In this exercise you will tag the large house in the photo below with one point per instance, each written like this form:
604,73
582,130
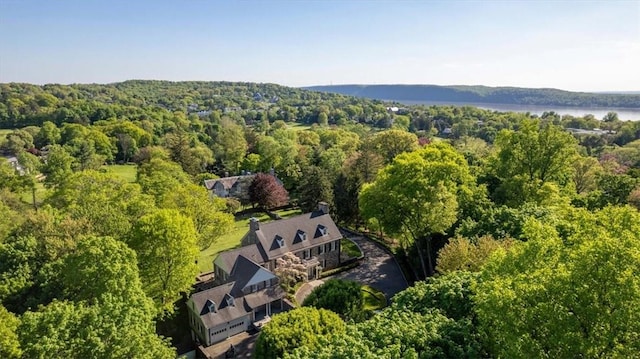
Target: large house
235,186
246,289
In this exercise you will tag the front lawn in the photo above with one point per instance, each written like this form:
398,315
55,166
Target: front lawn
349,248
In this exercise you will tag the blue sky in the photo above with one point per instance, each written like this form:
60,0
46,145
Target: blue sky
576,45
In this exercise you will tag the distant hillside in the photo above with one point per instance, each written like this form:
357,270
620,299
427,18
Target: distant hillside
484,94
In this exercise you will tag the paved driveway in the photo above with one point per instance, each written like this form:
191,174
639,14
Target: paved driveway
379,269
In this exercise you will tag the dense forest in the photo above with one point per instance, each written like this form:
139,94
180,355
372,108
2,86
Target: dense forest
484,94
522,238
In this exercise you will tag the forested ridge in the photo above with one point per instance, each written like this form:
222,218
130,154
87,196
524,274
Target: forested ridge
521,239
485,94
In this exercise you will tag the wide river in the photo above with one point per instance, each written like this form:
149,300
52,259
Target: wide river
624,114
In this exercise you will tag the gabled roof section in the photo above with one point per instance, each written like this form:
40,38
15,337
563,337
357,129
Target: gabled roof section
246,273
227,260
321,231
289,230
300,236
278,242
226,182
208,307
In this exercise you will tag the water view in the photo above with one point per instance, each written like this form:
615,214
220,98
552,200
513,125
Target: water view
624,114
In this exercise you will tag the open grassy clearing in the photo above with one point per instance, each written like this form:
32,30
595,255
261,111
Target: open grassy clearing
124,172
373,299
232,239
298,126
41,192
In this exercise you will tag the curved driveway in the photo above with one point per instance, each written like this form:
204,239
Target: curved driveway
378,269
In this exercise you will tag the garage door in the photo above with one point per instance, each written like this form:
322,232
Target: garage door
218,334
238,326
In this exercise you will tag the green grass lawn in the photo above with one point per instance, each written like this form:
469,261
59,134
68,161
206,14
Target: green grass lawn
232,239
298,126
27,196
350,248
373,298
125,172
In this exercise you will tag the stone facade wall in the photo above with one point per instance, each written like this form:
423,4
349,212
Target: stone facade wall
332,259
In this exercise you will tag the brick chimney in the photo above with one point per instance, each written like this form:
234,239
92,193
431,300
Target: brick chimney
323,207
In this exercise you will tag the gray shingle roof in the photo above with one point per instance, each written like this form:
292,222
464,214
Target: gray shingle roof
226,260
227,182
246,273
312,224
230,302
224,312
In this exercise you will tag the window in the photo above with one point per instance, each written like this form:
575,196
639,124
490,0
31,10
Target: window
230,300
307,254
320,249
301,236
334,246
211,306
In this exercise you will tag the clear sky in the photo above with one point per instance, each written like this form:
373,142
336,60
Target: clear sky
575,45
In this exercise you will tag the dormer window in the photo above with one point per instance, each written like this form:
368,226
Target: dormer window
302,236
210,305
230,300
280,241
321,231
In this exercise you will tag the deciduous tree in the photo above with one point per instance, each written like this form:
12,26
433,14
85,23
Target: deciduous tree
9,344
166,244
343,297
530,158
267,192
462,254
416,195
290,270
575,295
295,328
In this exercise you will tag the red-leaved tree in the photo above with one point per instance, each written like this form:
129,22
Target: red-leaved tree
267,192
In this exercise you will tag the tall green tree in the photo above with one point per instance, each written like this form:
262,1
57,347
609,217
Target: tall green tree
566,294
9,344
391,143
208,214
166,244
102,266
76,330
417,195
230,146
314,187
530,158
108,203
58,166
49,134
